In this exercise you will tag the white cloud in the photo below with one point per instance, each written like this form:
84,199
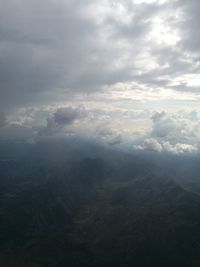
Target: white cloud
178,127
179,148
152,144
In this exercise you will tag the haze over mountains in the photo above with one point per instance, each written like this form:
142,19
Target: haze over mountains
74,203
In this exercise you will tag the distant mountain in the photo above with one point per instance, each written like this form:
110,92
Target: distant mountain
96,210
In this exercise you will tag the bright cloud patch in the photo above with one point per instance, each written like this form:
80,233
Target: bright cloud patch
152,144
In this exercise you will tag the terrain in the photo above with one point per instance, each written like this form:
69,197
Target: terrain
88,206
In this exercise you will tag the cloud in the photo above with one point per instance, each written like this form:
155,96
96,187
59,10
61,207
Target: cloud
178,127
42,47
54,50
174,133
62,118
190,25
152,144
115,140
66,116
163,125
179,148
103,130
108,135
3,120
105,55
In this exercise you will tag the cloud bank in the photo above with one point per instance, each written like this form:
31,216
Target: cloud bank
132,65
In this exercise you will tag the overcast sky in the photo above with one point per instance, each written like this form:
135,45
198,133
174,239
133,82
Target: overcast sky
120,71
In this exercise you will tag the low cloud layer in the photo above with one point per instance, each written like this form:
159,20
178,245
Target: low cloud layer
174,133
152,144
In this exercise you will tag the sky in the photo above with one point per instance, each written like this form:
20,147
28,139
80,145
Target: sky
121,72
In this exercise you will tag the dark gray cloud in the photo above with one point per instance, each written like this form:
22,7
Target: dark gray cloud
53,46
43,47
190,25
63,117
115,140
